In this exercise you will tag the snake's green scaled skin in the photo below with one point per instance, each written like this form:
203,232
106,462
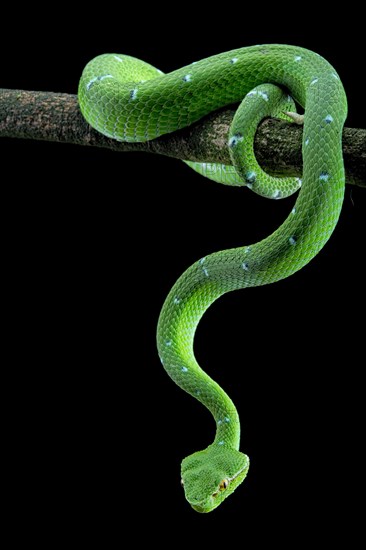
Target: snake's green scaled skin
129,100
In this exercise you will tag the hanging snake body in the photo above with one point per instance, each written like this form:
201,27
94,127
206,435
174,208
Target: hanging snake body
129,100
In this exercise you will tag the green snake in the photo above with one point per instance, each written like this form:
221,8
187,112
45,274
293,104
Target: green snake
129,100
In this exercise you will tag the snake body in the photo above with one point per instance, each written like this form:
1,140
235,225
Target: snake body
130,100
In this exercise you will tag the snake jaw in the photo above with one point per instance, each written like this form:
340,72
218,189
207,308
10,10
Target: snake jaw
201,509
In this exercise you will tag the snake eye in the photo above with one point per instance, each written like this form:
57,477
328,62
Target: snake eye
223,484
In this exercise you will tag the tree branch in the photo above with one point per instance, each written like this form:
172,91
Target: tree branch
56,117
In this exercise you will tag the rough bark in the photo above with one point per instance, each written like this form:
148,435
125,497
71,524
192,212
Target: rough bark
56,117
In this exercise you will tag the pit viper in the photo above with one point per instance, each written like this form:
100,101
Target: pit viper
129,100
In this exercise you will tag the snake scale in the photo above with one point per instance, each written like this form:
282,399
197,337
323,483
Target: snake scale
129,100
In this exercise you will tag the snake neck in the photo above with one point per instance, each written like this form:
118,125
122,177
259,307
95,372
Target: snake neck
177,357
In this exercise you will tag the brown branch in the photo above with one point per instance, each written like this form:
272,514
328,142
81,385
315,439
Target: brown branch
56,117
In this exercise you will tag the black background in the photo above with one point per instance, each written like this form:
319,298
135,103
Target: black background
96,239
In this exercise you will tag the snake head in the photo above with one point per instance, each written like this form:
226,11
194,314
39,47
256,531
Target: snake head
210,476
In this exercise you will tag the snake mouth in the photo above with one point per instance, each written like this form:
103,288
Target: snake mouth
206,506
202,509
198,508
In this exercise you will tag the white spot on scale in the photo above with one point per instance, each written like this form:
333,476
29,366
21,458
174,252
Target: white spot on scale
187,78
184,369
233,60
292,241
334,75
299,181
328,119
250,178
118,58
235,139
168,342
227,419
219,422
202,260
197,392
97,79
91,82
245,266
276,194
247,250
220,443
307,141
133,93
264,95
205,271
293,211
297,58
324,176
314,81
176,300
